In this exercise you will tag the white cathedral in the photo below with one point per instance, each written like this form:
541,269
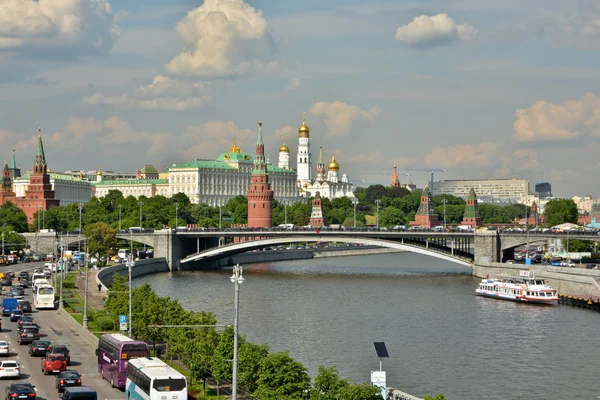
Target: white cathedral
327,182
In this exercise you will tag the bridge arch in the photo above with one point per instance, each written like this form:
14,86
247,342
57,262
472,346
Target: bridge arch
242,247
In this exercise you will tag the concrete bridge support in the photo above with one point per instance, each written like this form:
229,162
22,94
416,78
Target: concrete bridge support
487,247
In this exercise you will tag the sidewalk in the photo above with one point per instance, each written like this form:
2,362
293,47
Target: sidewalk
95,297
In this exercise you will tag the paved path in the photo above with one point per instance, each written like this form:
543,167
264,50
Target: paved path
95,297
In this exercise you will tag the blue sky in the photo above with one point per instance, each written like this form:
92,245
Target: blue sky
481,88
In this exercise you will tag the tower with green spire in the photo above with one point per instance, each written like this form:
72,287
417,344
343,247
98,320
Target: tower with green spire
471,216
15,171
426,217
6,191
321,166
260,195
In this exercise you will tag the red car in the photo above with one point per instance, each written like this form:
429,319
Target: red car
54,363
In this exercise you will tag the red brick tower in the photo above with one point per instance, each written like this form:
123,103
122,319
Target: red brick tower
39,194
316,218
426,216
260,195
472,216
395,180
6,192
533,219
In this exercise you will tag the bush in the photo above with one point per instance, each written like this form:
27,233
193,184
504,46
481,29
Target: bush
105,323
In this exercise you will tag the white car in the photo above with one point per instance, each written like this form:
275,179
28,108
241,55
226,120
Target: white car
4,348
10,369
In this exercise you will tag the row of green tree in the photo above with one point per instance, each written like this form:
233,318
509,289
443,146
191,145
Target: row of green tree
393,206
207,352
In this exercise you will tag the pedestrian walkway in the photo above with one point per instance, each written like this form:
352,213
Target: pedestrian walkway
95,297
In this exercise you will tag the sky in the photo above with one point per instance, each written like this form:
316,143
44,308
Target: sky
479,88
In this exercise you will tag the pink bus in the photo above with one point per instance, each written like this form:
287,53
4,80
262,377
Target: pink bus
114,350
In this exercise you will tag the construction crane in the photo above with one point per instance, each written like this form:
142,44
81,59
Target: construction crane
432,171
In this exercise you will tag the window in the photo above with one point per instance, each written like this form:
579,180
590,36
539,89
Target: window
169,385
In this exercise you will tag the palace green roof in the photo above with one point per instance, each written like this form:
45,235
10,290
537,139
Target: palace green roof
222,164
54,175
149,169
235,157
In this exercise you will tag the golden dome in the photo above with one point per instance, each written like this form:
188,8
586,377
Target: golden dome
235,148
284,148
304,130
333,165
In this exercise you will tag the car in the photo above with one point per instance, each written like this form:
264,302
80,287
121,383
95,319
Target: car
61,349
79,392
39,347
68,378
23,276
25,306
24,318
28,335
27,324
10,369
53,363
15,315
18,290
4,349
5,281
21,390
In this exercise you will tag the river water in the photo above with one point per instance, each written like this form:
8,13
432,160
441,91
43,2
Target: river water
440,337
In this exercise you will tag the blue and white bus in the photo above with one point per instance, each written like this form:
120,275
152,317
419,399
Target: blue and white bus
152,379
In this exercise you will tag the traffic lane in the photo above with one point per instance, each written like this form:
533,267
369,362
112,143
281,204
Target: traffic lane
56,327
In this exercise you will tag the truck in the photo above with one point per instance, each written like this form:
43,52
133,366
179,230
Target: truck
3,260
9,305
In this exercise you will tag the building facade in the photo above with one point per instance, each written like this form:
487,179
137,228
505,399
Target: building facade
543,189
499,189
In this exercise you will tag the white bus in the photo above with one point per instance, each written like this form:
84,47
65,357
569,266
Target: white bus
151,379
43,297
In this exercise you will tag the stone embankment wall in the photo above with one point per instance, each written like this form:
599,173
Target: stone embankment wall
568,281
140,267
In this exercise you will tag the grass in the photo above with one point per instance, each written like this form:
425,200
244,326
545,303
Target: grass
371,219
74,304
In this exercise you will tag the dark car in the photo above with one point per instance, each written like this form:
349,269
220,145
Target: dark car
24,318
25,306
67,379
24,283
5,281
61,349
27,324
17,290
10,274
39,347
28,335
20,391
23,276
15,315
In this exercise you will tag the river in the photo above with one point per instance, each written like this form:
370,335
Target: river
440,337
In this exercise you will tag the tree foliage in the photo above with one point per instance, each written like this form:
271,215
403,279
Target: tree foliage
101,239
12,218
282,377
560,211
327,385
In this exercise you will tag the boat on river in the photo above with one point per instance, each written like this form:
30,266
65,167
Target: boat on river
522,288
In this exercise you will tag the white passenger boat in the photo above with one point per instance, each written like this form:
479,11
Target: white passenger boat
522,288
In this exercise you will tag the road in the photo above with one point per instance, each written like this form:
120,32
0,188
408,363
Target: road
60,329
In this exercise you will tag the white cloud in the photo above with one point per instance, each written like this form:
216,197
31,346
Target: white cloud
545,121
294,84
81,26
163,93
462,155
224,38
584,28
339,116
437,30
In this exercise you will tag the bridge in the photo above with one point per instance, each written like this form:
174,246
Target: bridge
196,249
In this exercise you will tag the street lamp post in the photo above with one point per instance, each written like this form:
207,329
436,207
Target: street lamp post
37,235
61,303
2,243
377,204
141,204
176,216
120,208
355,201
130,263
444,200
85,299
237,280
79,232
220,216
285,213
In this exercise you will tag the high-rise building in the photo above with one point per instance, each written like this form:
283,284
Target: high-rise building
260,195
543,189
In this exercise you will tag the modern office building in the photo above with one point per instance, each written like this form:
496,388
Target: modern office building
500,189
543,189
